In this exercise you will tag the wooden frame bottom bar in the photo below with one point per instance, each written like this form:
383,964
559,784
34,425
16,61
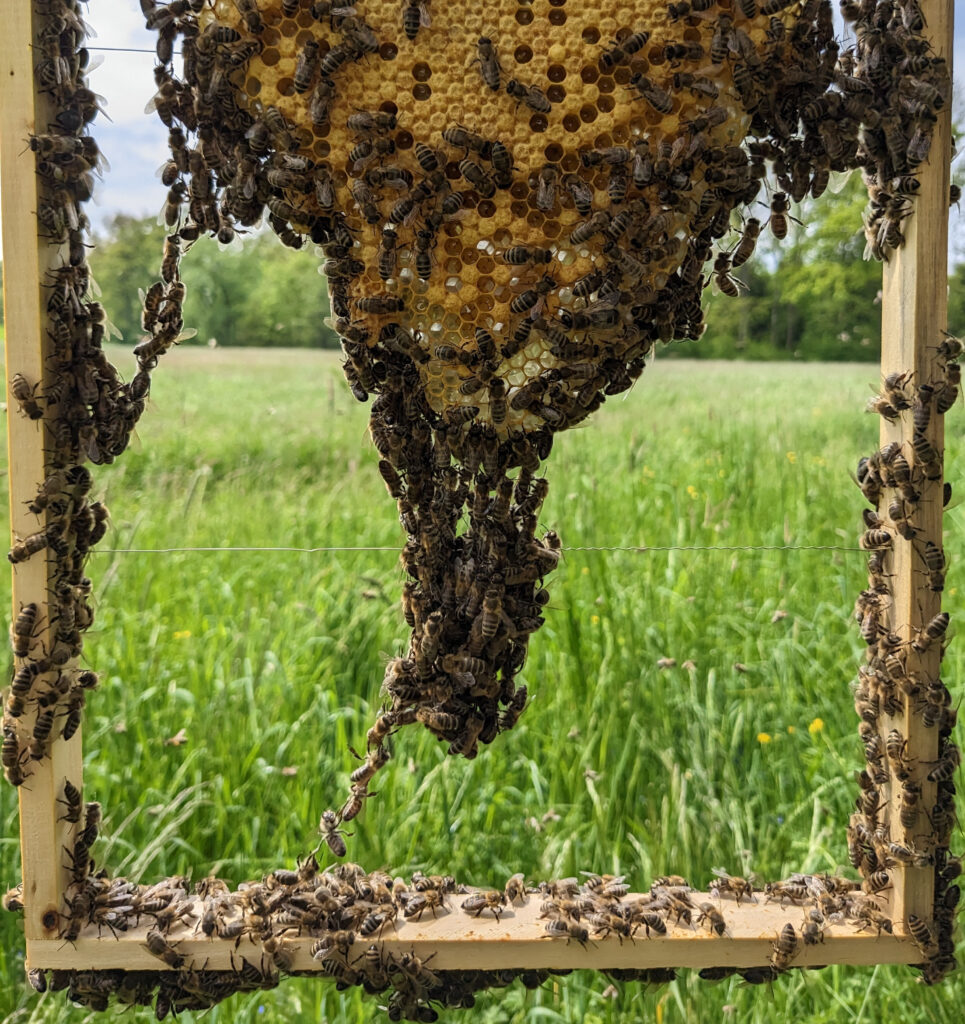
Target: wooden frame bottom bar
518,940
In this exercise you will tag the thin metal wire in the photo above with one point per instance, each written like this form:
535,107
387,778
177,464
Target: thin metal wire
121,49
635,549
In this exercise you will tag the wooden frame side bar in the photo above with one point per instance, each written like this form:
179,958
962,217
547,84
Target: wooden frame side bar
30,260
517,941
914,313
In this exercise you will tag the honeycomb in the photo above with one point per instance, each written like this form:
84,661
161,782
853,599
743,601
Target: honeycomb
515,202
432,89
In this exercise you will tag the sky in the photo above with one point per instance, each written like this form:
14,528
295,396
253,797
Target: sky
135,143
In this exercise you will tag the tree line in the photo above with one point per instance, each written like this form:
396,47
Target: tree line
811,296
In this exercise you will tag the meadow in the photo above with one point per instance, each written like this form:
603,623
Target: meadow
268,665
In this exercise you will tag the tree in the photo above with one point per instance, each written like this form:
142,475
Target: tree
253,292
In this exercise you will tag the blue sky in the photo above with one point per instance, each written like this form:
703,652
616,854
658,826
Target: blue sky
135,143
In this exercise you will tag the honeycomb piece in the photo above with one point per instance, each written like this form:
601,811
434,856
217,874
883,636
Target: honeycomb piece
588,84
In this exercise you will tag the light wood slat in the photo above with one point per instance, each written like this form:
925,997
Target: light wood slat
914,312
28,260
517,941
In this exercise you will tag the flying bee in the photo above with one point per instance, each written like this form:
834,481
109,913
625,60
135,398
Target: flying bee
531,95
546,188
779,215
489,65
658,98
332,834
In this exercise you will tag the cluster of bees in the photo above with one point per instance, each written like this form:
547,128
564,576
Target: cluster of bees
347,913
897,479
514,208
81,408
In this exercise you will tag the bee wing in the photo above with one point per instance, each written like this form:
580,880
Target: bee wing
720,872
191,332
425,19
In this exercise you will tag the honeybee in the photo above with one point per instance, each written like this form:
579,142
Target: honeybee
745,247
785,948
332,834
620,53
477,177
658,98
922,933
30,545
380,304
531,95
158,946
546,188
730,885
489,65
933,630
563,928
491,899
25,393
778,218
415,15
520,255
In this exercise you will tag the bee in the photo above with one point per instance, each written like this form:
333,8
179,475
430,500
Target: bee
945,768
332,834
477,177
415,15
722,277
778,218
427,158
785,948
387,253
498,407
489,65
560,928
520,255
531,95
379,305
933,630
921,932
587,229
745,247
620,53
731,885
158,946
375,922
491,899
360,35
934,559
658,98
516,888
30,545
462,138
370,122
533,296
875,540
25,394
23,629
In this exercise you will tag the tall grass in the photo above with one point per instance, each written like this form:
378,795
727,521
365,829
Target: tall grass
742,754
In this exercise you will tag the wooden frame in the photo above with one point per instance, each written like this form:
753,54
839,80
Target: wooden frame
914,305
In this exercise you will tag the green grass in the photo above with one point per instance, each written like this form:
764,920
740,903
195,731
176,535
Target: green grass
274,660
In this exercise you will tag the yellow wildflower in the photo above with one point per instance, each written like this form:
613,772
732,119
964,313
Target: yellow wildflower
585,570
791,730
791,457
182,634
816,726
594,619
763,737
692,491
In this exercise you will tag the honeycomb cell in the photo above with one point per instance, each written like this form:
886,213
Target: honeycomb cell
523,54
252,86
270,57
486,209
288,28
556,73
605,84
524,16
421,92
403,140
485,284
538,123
557,17
551,229
421,72
605,104
571,123
388,51
556,94
588,114
589,75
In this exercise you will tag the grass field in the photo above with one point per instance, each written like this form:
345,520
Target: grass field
273,661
